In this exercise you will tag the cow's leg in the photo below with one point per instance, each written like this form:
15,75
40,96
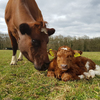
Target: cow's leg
15,47
20,58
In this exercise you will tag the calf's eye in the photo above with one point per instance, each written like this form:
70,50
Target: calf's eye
69,56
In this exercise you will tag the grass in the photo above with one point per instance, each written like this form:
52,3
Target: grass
24,82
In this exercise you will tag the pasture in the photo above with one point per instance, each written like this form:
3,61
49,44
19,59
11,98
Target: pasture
24,82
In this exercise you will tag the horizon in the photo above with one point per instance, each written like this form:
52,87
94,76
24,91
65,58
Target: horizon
74,18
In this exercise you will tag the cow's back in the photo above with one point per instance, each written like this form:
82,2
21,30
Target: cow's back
22,11
34,10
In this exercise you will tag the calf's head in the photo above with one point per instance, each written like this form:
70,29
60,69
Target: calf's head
65,57
33,39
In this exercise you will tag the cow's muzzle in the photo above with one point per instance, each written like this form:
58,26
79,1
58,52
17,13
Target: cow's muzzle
43,67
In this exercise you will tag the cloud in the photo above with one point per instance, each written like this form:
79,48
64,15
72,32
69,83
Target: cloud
68,17
3,27
76,18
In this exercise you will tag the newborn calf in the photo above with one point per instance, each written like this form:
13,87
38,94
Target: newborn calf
67,67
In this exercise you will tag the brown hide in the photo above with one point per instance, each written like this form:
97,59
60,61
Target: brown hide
67,67
78,51
25,23
81,61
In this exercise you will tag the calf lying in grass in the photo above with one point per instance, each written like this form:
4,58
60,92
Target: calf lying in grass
67,67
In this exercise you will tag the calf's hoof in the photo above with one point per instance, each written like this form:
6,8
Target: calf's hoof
50,74
87,75
66,77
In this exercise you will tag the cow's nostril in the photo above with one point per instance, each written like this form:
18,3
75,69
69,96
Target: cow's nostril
47,63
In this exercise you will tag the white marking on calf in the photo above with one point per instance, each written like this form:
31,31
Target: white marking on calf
81,76
20,58
64,48
97,70
92,73
14,60
87,75
87,65
44,30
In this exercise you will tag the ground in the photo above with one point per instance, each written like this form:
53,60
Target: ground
24,82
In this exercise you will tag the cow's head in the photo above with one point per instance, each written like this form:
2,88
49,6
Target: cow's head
65,57
33,41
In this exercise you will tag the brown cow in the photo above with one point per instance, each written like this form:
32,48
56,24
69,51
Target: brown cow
27,30
67,67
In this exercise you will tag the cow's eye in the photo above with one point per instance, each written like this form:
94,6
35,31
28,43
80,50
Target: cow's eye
36,43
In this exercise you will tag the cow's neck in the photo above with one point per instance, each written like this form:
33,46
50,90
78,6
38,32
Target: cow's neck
25,14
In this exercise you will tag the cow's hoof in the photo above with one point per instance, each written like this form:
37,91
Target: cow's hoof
14,60
19,59
13,63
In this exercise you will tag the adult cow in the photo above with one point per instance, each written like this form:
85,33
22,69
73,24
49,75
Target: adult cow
27,30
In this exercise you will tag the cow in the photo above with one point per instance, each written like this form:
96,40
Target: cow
67,67
28,31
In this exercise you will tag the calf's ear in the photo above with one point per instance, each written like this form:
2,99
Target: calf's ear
78,51
52,53
24,29
50,31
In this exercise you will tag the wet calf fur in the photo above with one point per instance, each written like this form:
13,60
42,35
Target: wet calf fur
67,67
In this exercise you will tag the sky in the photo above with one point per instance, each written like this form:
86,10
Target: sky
74,18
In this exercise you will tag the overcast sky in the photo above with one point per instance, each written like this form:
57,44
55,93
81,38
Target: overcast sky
68,17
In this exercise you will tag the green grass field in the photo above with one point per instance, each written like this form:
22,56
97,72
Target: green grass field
24,82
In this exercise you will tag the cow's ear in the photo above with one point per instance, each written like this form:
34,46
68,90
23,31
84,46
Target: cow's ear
50,31
24,29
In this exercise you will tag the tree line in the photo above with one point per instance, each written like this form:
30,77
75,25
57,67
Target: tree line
4,41
83,43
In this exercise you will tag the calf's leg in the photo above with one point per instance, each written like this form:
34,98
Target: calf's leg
50,74
69,76
66,77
